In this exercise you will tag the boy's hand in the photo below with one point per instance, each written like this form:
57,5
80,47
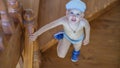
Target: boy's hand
32,37
85,42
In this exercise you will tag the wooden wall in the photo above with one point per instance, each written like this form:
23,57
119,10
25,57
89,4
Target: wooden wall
96,6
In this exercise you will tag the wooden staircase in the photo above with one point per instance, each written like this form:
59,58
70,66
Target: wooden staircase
16,50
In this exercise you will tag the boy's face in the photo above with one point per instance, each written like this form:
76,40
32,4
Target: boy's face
74,15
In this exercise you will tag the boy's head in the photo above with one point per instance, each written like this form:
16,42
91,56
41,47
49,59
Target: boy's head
75,10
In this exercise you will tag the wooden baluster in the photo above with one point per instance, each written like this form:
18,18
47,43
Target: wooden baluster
28,51
2,5
37,56
7,24
15,11
30,46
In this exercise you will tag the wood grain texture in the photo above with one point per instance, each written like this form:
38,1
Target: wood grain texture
10,56
28,50
12,43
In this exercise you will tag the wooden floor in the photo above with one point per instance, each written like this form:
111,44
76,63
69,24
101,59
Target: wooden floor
103,50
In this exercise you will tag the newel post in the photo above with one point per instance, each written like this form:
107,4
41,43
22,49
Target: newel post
31,51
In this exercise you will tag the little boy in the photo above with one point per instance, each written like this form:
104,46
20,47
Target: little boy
76,29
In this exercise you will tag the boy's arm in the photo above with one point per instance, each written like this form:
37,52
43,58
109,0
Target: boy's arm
49,26
87,32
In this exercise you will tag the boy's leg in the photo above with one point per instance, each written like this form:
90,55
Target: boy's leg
77,46
76,52
63,47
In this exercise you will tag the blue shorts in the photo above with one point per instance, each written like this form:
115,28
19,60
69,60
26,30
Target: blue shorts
74,41
61,35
